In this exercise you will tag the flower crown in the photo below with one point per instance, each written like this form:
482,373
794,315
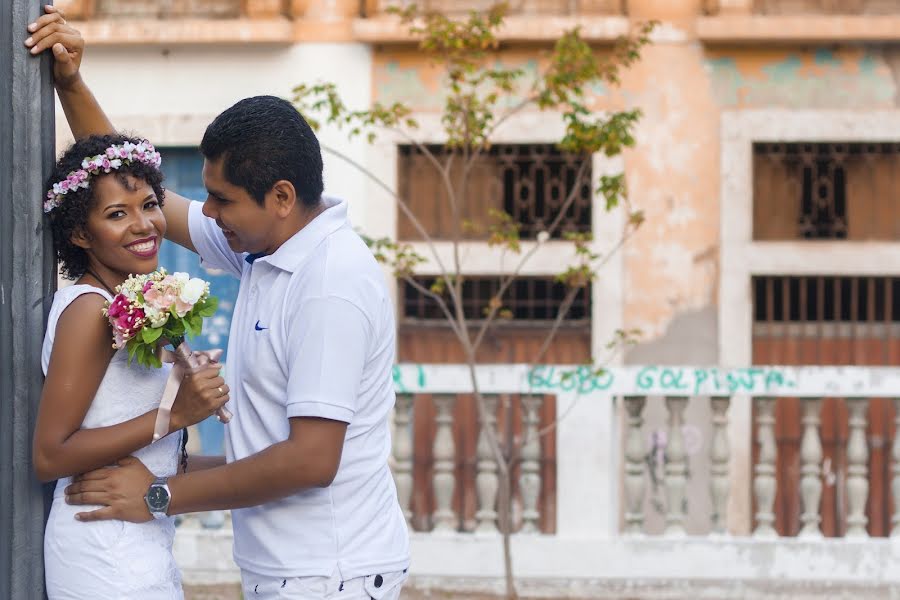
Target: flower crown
113,158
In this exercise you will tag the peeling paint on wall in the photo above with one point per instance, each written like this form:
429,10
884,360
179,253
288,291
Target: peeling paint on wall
815,78
406,77
673,177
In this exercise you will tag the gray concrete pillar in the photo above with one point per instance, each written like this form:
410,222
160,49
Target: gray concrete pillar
27,282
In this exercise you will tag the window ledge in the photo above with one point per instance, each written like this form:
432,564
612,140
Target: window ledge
799,28
389,29
186,31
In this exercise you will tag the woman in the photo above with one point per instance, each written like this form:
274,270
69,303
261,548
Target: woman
103,204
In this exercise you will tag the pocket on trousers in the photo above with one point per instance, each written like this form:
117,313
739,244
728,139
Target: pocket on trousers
386,585
299,588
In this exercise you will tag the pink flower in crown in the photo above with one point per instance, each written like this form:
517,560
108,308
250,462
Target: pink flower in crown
105,164
118,307
64,186
111,152
73,180
123,153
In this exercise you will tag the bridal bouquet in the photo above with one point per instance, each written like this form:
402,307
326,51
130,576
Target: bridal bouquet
158,308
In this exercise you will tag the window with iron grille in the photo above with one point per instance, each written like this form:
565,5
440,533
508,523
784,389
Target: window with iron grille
831,191
531,182
785,299
824,320
530,300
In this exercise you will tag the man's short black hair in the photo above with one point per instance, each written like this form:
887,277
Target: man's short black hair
262,140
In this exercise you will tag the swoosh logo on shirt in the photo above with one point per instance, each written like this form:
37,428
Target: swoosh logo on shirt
258,328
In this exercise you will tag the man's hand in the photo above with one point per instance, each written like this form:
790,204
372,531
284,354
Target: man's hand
120,489
202,393
52,31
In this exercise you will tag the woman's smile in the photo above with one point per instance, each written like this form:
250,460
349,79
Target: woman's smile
144,248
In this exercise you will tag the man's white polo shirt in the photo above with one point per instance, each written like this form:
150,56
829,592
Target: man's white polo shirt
313,335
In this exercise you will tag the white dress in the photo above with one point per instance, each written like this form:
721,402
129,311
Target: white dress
112,560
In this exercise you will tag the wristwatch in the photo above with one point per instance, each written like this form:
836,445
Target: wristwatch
158,498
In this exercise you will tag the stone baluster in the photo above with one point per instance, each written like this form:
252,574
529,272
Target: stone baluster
764,471
895,471
635,465
403,441
858,469
810,469
444,479
676,468
487,481
530,477
719,455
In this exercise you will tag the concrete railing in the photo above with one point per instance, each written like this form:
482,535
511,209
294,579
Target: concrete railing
603,480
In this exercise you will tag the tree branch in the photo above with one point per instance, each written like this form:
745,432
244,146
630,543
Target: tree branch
557,322
515,273
441,303
406,211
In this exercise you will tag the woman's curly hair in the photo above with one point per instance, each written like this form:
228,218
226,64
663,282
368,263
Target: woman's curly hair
72,215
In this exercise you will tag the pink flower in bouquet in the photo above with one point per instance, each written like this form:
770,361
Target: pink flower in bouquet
129,323
160,300
147,286
118,307
182,308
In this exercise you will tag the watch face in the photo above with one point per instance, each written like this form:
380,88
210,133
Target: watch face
157,498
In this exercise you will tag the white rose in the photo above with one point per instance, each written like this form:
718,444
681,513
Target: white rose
181,278
192,291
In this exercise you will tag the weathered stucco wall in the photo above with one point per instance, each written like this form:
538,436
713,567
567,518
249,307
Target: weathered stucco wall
671,266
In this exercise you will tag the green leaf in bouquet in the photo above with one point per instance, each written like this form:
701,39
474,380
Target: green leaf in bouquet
188,329
208,307
132,347
139,352
151,334
175,328
196,322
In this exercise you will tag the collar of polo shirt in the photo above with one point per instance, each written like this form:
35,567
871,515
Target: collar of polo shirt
294,252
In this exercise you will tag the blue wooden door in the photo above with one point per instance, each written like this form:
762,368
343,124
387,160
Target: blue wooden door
182,168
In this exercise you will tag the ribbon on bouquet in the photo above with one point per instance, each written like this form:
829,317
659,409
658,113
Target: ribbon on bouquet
182,360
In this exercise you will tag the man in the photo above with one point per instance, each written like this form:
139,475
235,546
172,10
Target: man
314,506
